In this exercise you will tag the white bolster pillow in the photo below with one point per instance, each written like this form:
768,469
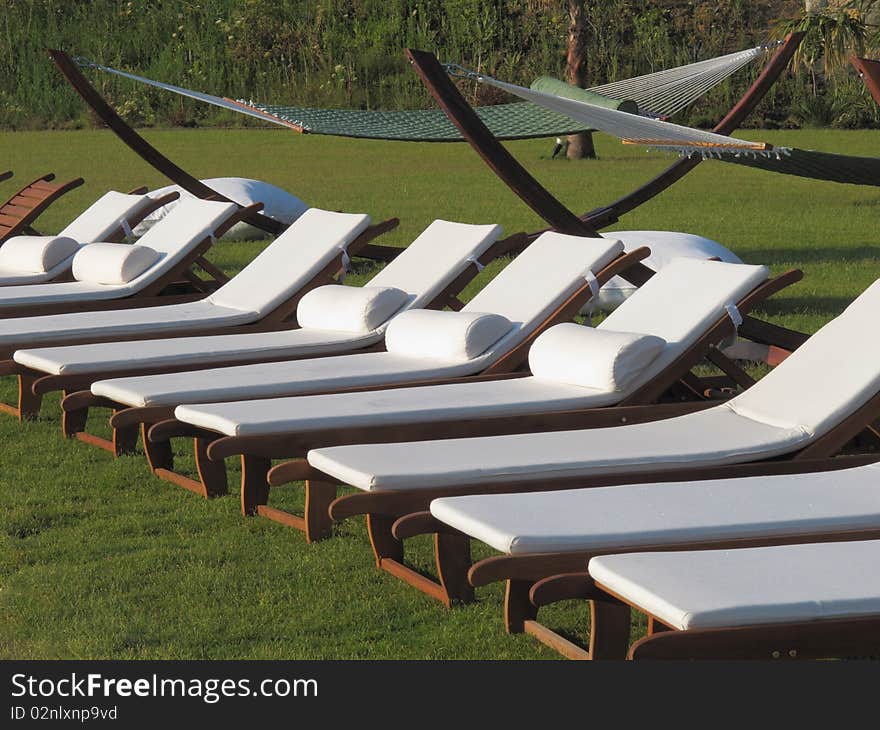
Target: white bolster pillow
441,335
349,308
36,254
112,263
593,358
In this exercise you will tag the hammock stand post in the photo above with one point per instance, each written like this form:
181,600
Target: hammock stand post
869,71
493,153
144,149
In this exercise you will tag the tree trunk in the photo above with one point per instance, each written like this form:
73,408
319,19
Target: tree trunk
580,146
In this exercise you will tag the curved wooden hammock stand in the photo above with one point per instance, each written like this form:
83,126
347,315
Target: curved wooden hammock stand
560,218
538,198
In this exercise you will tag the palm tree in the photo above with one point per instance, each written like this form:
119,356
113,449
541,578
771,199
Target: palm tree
833,30
580,145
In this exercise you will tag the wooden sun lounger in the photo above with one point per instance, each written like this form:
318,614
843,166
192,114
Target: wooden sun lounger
128,423
610,618
118,235
34,385
256,452
178,284
837,629
18,214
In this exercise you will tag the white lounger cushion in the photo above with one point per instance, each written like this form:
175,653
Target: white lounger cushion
349,308
715,436
656,515
715,589
47,258
104,216
278,204
112,263
444,246
174,237
116,323
176,351
36,254
301,414
275,379
291,260
593,358
446,336
433,260
773,417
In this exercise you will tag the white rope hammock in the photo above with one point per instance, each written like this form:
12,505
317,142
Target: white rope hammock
636,129
663,93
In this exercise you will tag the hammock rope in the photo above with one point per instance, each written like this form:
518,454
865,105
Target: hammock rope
658,94
633,128
664,93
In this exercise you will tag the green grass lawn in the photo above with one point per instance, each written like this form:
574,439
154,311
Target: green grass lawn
101,560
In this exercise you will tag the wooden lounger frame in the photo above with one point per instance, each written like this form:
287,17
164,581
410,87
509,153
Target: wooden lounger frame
33,384
18,214
127,422
611,615
257,452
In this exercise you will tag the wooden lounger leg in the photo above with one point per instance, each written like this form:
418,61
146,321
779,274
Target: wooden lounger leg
609,629
385,545
125,439
319,495
254,486
316,523
212,474
388,551
74,422
518,607
28,402
453,557
159,453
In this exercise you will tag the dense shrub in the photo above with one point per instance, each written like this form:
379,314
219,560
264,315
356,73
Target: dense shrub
348,53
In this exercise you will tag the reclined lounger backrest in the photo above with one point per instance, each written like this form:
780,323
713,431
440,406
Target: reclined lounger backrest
826,379
172,239
103,217
289,262
432,261
537,282
680,303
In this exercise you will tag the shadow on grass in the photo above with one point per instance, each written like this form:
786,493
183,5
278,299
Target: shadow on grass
825,306
808,254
